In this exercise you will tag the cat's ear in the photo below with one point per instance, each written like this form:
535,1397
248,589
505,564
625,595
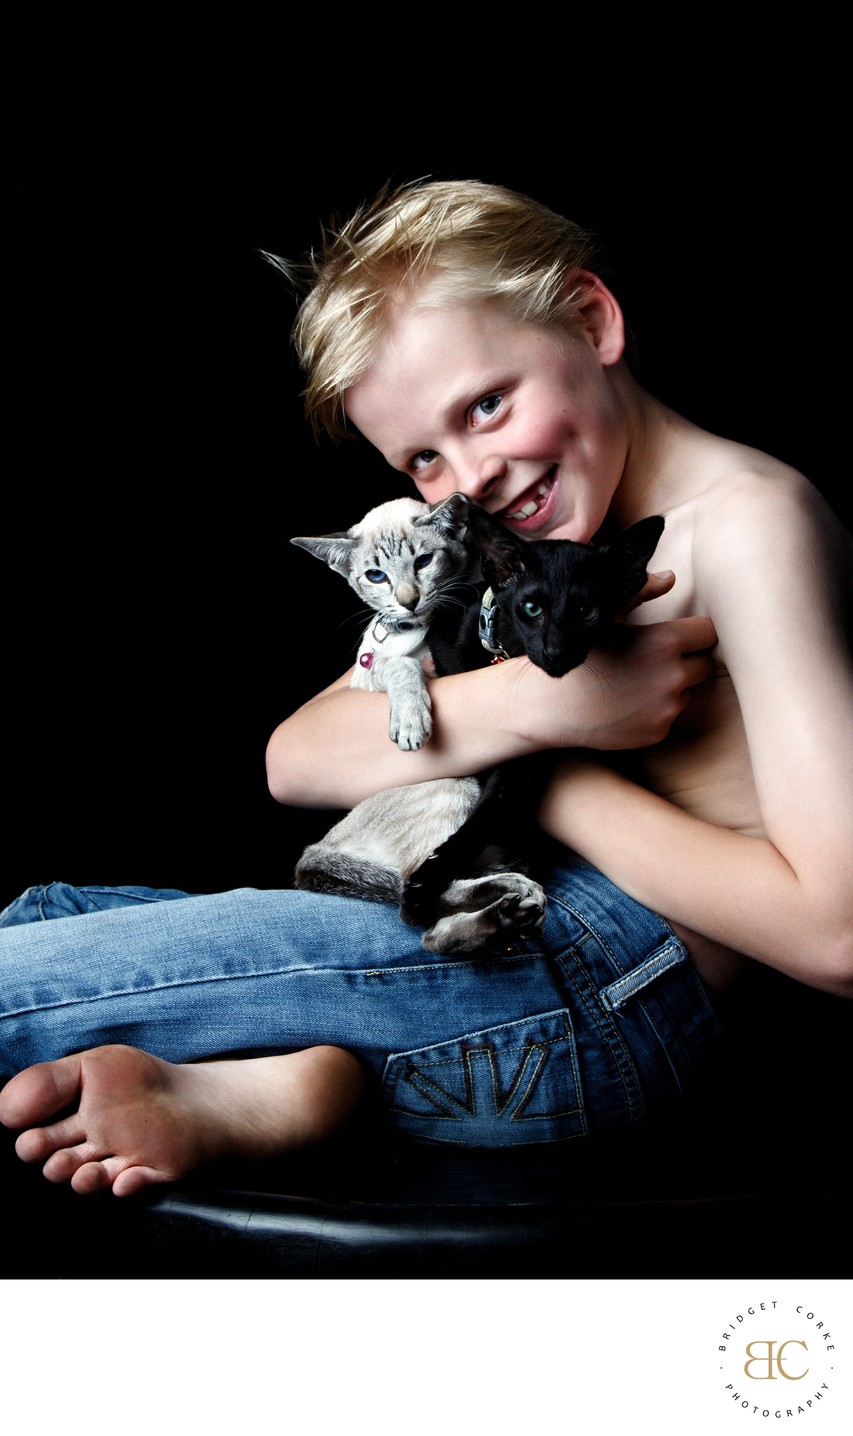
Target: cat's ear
502,555
334,549
641,539
449,517
632,550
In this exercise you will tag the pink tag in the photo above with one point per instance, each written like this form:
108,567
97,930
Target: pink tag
366,660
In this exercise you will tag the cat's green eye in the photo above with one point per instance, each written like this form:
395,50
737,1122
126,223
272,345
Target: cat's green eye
588,614
375,575
422,561
533,610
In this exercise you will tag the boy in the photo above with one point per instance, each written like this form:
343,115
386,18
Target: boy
461,330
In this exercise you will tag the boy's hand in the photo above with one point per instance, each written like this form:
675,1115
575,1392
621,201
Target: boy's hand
666,660
625,698
634,696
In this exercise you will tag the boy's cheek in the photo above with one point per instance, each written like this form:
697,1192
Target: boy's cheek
435,490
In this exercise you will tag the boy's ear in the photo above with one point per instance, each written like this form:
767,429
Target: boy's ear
601,316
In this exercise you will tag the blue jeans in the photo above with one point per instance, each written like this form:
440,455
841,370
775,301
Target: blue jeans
588,1027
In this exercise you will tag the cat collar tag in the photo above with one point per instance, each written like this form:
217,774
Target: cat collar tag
366,660
486,626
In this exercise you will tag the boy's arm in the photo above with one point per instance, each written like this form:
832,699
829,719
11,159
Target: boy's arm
773,569
335,750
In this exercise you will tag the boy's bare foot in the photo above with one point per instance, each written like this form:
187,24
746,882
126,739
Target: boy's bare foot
139,1120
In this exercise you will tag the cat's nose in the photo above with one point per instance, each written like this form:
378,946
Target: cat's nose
407,598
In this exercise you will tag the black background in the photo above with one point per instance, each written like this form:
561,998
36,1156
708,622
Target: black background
158,624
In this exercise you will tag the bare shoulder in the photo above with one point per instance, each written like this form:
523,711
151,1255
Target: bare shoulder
763,525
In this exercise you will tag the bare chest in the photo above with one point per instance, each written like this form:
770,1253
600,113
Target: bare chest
703,766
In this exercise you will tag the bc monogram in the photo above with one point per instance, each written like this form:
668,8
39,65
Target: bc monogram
770,1359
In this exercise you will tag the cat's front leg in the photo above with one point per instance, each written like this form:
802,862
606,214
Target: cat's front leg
404,681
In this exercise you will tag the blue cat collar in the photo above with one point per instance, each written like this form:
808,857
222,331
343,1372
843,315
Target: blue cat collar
486,624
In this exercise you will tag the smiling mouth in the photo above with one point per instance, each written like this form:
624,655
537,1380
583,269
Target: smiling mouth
534,503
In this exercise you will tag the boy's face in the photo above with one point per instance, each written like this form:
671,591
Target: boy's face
464,397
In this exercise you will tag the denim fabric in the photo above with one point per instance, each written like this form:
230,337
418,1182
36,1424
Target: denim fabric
586,1028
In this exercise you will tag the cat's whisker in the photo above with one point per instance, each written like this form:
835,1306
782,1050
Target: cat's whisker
456,595
351,621
594,670
519,670
460,599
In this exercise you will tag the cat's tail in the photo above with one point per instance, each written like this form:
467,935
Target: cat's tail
323,869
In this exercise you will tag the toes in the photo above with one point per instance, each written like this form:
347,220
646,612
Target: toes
39,1143
132,1180
39,1092
89,1178
88,1174
63,1165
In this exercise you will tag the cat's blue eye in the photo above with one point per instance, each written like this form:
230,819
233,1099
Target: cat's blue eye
588,614
486,408
375,575
533,610
422,561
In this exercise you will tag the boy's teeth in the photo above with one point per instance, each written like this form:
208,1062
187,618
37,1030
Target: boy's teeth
532,504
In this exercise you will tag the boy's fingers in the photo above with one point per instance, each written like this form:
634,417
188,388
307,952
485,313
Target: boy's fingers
698,632
655,586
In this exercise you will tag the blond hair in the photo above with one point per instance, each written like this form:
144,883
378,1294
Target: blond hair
471,240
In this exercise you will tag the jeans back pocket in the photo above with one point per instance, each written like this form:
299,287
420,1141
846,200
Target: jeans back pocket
504,1086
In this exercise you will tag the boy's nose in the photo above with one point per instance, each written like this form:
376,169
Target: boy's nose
479,477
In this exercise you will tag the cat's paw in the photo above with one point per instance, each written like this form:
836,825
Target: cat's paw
411,728
476,912
519,914
410,739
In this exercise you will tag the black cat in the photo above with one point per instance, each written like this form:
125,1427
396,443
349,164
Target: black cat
553,600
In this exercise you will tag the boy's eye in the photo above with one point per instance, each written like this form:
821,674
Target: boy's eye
588,614
533,610
486,408
423,459
375,575
422,561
